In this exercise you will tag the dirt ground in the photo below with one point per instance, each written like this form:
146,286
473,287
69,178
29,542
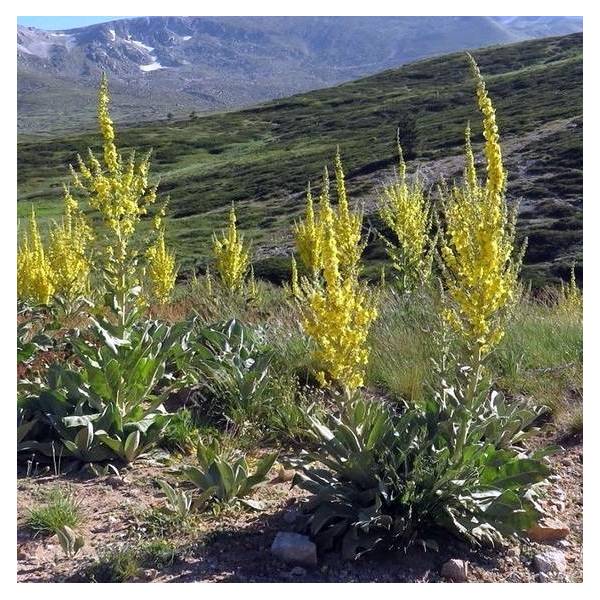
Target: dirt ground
234,545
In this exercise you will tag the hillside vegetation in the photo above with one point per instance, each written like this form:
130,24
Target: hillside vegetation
261,158
384,430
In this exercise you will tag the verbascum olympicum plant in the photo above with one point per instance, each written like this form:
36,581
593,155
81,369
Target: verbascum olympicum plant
309,238
337,314
337,311
160,261
34,272
571,298
68,251
406,211
347,224
120,190
232,255
480,268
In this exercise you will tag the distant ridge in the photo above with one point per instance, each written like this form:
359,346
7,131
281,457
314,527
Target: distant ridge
161,65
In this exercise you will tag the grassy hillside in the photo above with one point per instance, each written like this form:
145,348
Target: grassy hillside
261,158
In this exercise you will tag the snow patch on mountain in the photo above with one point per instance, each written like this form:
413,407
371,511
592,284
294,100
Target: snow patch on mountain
154,66
141,45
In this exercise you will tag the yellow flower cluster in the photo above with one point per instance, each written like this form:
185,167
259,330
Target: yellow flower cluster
160,262
68,252
337,311
161,269
480,271
34,273
347,225
404,208
232,255
571,300
119,190
337,315
309,238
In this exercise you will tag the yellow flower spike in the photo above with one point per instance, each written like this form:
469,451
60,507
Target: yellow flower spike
337,311
161,270
347,224
232,255
68,251
571,298
208,278
34,272
479,269
406,211
308,238
295,285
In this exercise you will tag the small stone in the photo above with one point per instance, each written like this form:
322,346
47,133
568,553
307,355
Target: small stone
150,574
21,554
455,570
298,572
551,561
284,475
294,548
514,551
548,530
542,578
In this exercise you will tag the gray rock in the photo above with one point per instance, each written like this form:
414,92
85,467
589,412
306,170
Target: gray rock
294,548
455,570
298,572
551,561
542,578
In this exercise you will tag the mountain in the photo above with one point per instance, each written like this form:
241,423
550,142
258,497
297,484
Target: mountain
162,65
261,158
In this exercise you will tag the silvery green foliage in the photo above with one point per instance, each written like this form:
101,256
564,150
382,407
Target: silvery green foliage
385,478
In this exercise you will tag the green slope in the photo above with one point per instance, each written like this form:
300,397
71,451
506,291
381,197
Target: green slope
261,158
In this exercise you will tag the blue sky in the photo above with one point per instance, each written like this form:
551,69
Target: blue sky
62,22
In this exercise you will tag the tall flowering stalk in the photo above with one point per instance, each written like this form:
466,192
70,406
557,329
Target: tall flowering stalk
406,211
347,224
34,272
68,251
232,255
161,268
120,190
571,298
337,315
309,238
336,309
480,269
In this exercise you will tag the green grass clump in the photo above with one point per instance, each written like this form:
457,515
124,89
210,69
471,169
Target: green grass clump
59,509
125,563
181,434
115,565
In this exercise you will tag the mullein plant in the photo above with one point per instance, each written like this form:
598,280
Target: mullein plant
571,298
69,252
232,256
480,267
406,211
337,310
34,272
160,261
120,189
